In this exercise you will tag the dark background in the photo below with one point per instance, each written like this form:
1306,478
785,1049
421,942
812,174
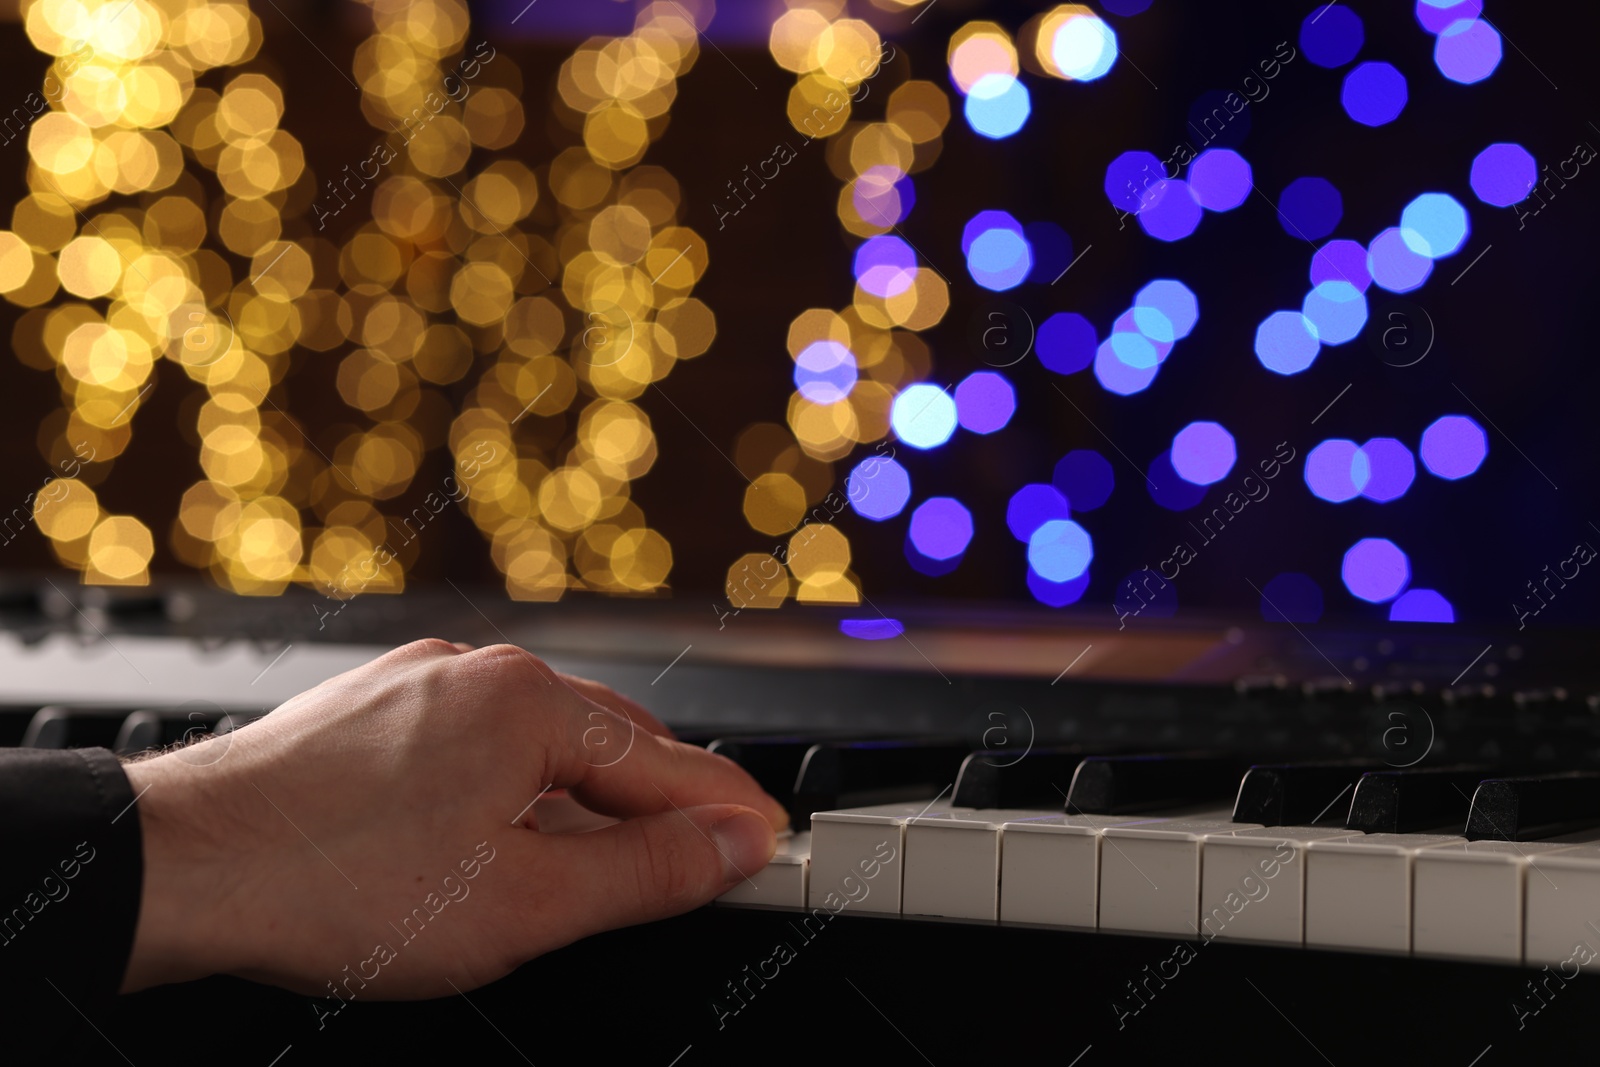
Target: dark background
1514,334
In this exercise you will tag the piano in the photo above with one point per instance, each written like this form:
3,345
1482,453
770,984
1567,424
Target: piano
1189,839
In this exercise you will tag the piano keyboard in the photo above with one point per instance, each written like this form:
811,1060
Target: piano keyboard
1286,863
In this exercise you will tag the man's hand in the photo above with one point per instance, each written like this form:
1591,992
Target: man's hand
385,822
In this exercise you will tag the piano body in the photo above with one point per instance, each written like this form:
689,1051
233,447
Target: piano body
1013,837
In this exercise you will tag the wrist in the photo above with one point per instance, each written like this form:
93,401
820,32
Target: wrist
188,923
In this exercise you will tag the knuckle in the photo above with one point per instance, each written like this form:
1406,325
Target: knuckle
514,665
427,646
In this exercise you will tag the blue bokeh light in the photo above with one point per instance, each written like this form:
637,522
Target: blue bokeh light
1291,597
1337,312
941,528
878,488
1052,251
1467,51
1421,605
999,259
871,629
1032,506
1168,489
1174,300
1117,375
1434,225
1375,569
985,402
1342,260
885,266
1084,48
923,416
1286,342
1435,15
1391,470
1170,211
1066,342
1126,7
1453,447
1057,594
997,106
1394,265
1203,453
1220,179
985,221
1085,477
825,372
1374,93
1060,550
1310,208
1332,35
1337,471
1504,174
1129,176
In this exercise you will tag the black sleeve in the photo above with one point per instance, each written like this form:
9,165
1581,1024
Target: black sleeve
71,873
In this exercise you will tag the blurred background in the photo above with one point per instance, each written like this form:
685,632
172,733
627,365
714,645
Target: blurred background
1122,309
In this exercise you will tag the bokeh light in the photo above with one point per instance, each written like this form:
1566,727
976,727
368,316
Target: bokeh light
1421,605
997,106
923,416
885,266
1341,260
1060,550
1170,211
1129,176
1336,311
1085,478
1031,507
1066,342
1434,225
1220,179
1504,174
1337,471
1310,208
1286,342
1375,569
1467,51
1084,48
1175,301
878,488
1391,469
881,629
985,402
1374,93
825,372
1125,363
1203,453
1168,489
941,528
1057,594
1331,35
999,259
1453,447
1435,15
1052,251
1394,264
1291,597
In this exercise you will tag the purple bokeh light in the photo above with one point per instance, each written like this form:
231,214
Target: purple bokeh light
885,266
1168,489
1286,342
871,629
1337,471
985,402
1331,35
1085,477
1170,211
1310,208
1203,453
1504,174
1220,179
1066,342
825,372
1032,506
1467,51
1421,605
1394,265
1391,470
1453,447
878,488
1375,569
1374,93
1434,17
1117,375
1341,261
941,528
1127,178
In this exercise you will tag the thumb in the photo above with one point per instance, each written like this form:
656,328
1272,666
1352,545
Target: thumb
655,866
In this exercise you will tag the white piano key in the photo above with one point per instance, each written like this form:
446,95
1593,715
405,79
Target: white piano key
857,856
781,883
1562,927
1050,868
1150,873
1253,883
1468,898
1358,890
952,863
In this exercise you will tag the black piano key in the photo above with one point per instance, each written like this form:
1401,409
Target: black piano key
1118,785
773,761
1534,807
1415,799
63,726
1300,794
998,778
14,719
851,774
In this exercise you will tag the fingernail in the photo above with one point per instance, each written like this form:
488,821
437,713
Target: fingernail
746,843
